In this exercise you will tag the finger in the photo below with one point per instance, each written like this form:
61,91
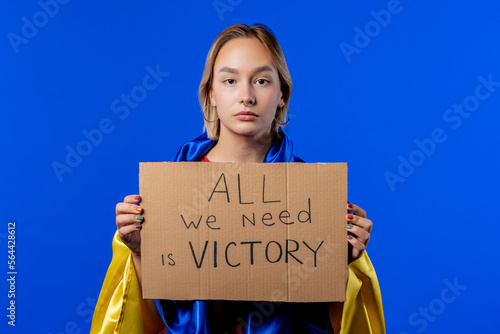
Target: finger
125,232
366,224
132,199
357,247
124,208
359,233
356,210
128,219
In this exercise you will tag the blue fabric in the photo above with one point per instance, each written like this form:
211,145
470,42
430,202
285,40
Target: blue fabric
248,317
281,151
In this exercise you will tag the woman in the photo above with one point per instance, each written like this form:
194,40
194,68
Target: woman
244,94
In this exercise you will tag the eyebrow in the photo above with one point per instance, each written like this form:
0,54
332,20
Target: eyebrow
257,70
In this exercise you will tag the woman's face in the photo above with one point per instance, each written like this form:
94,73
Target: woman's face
244,74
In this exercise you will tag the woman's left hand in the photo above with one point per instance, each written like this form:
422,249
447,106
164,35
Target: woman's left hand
360,228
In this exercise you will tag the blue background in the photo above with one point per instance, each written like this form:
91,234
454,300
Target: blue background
368,108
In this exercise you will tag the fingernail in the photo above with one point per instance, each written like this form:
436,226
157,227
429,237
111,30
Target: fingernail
350,216
137,198
349,205
139,217
349,237
349,226
138,227
138,209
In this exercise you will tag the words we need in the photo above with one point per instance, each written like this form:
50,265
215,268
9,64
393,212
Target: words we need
272,251
221,187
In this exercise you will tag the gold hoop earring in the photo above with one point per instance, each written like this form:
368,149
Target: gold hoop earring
287,118
206,120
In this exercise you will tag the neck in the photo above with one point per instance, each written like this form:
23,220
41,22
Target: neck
236,148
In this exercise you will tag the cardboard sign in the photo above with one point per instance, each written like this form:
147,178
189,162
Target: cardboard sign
231,231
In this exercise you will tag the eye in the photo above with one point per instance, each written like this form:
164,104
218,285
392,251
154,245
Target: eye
229,81
262,81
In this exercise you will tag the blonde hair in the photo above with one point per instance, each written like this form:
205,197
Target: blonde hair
268,39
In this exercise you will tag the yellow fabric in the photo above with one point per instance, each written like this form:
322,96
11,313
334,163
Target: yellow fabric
118,309
362,311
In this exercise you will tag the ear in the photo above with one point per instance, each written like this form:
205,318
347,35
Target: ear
212,98
281,102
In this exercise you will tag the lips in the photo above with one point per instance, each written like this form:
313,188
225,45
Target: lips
249,113
246,115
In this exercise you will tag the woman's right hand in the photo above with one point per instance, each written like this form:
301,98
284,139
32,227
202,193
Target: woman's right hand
129,230
128,221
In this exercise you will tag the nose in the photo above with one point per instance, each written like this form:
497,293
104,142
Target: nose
247,96
247,102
